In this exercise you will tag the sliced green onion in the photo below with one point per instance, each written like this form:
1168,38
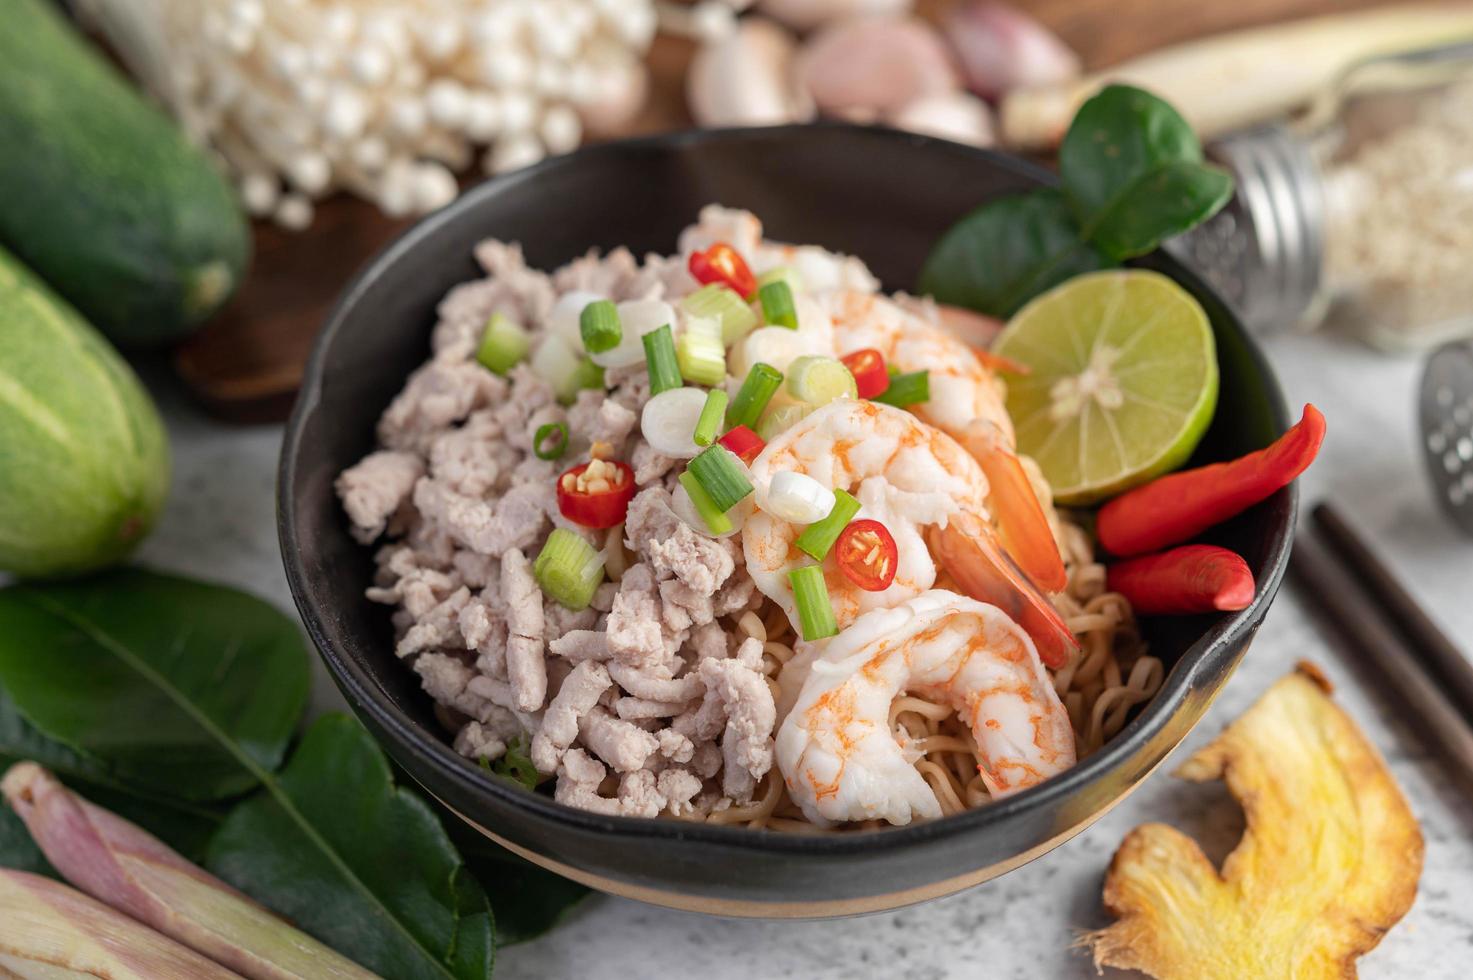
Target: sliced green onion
700,353
599,326
715,518
568,569
722,476
818,380
504,343
781,418
659,354
783,273
718,302
712,413
588,375
818,537
811,596
557,363
756,391
906,389
554,449
777,305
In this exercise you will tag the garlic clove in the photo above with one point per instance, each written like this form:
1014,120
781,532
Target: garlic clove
805,15
875,64
1001,48
747,79
608,96
957,116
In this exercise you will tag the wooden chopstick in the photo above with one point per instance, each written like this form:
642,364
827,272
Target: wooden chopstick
1449,667
1362,623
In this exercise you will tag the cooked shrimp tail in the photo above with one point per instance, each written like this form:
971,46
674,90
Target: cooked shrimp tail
1022,524
967,549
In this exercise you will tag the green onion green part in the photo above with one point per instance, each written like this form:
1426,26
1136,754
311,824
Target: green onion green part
811,596
906,389
503,344
818,380
756,391
588,375
700,353
542,448
712,413
818,537
599,325
777,305
714,517
722,476
659,354
722,303
568,569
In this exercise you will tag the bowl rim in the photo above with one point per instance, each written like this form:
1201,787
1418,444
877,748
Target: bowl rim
365,694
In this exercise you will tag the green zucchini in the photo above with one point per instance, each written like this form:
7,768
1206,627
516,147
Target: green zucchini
101,194
84,462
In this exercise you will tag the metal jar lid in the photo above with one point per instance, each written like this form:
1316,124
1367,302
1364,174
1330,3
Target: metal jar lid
1264,251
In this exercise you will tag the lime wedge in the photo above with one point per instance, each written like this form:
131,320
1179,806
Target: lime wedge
1123,382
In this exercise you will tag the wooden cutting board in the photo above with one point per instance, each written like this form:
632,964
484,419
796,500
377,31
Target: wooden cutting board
246,364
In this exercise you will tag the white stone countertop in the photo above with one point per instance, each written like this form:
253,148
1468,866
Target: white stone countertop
220,525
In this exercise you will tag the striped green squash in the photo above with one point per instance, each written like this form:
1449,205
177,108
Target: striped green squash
84,462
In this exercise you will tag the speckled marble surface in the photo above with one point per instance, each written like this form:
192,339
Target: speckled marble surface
220,524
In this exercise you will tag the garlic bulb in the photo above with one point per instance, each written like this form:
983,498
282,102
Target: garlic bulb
869,66
805,15
385,98
747,79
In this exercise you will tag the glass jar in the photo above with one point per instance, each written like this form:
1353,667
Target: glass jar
1359,213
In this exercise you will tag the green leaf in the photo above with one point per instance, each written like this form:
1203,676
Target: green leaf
527,901
1006,252
184,825
177,686
332,844
1133,173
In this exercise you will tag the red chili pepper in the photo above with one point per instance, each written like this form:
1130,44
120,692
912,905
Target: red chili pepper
866,554
723,264
868,368
1195,578
584,501
1182,505
743,443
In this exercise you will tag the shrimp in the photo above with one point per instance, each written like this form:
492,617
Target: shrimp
835,749
914,479
967,403
905,474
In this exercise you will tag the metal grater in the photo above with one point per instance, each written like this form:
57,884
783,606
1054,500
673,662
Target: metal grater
1264,251
1447,429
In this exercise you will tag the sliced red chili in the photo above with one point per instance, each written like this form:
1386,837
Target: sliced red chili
596,497
866,554
723,264
743,443
871,376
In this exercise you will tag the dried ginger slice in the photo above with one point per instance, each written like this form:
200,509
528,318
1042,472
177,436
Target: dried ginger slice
1328,862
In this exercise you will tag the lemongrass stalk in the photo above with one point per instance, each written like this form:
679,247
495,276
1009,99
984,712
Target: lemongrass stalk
1227,81
129,869
51,932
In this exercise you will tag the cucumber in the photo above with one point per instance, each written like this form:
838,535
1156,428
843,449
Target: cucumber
101,194
84,462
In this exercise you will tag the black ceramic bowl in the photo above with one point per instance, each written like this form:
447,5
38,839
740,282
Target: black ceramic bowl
881,195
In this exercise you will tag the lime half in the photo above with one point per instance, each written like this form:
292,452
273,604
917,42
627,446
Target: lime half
1123,382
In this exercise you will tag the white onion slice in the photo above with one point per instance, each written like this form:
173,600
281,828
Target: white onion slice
637,318
685,509
797,497
669,421
565,320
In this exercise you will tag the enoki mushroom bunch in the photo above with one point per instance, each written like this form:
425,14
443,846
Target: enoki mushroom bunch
386,98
